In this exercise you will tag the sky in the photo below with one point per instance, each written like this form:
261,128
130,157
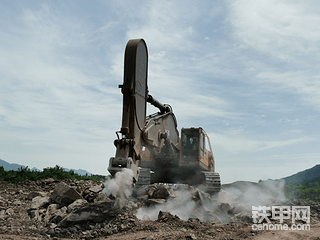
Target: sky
245,71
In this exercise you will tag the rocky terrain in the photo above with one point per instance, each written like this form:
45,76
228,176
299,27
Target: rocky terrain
72,209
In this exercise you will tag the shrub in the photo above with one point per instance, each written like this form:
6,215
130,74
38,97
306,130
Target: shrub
56,173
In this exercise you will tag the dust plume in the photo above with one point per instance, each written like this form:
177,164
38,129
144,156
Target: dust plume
120,187
233,199
253,194
181,205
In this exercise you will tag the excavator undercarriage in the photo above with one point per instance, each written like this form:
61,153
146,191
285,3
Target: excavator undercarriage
150,145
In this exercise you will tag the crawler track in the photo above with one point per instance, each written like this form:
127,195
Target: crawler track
213,183
144,177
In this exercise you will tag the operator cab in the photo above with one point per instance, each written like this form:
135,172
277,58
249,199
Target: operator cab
196,149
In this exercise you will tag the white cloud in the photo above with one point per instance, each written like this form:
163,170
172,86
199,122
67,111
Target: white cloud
306,85
289,121
283,29
236,141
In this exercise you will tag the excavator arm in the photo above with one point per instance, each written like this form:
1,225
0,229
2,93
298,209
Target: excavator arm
157,132
134,90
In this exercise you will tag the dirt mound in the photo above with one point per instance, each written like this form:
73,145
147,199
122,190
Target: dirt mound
74,209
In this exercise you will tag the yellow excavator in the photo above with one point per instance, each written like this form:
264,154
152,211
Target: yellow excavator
150,145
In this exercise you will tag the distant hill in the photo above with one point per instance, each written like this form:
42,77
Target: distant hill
304,176
10,166
81,172
13,166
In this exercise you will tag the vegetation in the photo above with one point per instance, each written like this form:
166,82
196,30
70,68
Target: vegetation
309,191
56,173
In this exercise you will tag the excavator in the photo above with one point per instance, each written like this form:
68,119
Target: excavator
150,145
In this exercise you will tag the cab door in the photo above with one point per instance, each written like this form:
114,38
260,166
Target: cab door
205,152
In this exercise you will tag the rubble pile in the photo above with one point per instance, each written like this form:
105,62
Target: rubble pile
80,210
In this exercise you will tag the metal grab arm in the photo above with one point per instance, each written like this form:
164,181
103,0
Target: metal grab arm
163,108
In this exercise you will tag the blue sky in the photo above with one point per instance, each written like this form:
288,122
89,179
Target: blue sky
245,71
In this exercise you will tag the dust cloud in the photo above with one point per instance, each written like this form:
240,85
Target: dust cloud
232,199
120,187
253,194
180,205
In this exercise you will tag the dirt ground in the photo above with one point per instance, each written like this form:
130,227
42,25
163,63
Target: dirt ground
17,222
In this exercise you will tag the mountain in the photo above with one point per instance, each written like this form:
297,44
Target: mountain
13,166
79,171
303,176
35,169
10,166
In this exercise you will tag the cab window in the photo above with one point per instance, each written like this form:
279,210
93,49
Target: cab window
190,142
202,141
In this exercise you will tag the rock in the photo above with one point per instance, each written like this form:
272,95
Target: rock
34,214
160,192
101,197
64,209
9,211
244,217
52,208
96,189
151,190
191,236
166,216
17,202
52,225
49,213
32,195
225,208
76,204
57,216
143,198
49,180
2,213
39,202
64,195
96,213
152,201
201,196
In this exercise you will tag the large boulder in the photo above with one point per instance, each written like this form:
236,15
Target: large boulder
39,202
225,208
160,192
95,213
64,195
201,197
76,204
